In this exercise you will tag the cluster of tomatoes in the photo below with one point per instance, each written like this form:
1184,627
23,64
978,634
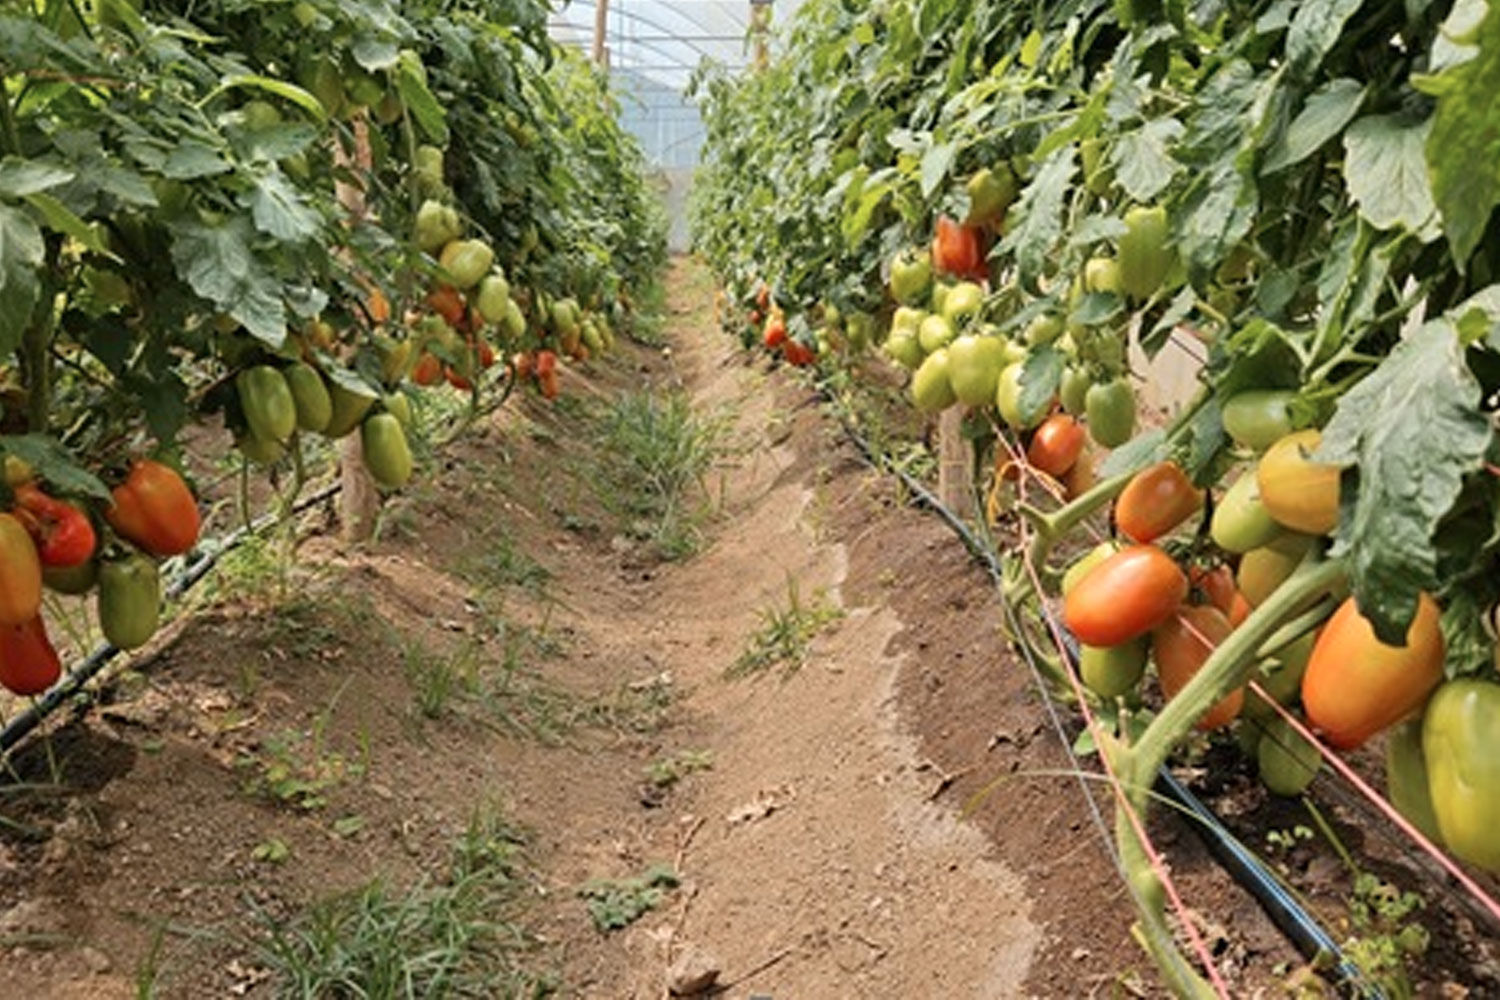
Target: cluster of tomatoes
53,542
774,335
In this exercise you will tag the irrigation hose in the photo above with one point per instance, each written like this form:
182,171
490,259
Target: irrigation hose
1290,917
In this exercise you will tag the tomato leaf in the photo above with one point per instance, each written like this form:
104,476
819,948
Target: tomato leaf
1327,111
1135,454
1040,375
21,250
218,263
411,83
278,208
1467,647
59,218
1387,175
54,464
192,159
1314,30
1143,165
1038,217
1463,148
1413,429
936,163
19,178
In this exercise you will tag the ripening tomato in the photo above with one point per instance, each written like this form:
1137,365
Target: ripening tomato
1264,569
1080,478
155,510
798,353
775,334
1181,645
1126,595
1056,445
428,370
1239,609
28,663
1216,584
1297,492
959,249
1356,685
545,363
20,574
448,303
1156,500
378,306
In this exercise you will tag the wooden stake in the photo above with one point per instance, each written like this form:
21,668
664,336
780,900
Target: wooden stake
955,463
601,24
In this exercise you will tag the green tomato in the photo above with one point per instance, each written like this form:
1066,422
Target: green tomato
1241,522
387,454
935,332
1073,389
930,389
1280,677
903,347
974,366
962,302
466,261
260,451
129,603
398,405
1102,274
1144,254
1109,408
515,321
1097,176
1406,777
990,190
494,294
436,225
267,403
1287,760
1044,329
1461,741
1258,418
911,276
1113,671
349,408
860,329
310,395
1008,399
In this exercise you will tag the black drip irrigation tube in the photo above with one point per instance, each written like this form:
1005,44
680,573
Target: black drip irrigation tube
1290,916
207,557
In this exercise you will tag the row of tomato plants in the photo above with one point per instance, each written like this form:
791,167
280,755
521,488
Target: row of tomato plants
1012,200
280,220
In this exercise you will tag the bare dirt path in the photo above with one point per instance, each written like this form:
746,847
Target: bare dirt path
512,681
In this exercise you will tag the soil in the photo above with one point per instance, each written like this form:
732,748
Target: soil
888,814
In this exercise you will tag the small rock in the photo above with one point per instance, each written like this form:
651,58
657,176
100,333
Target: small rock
694,972
1079,954
98,962
32,917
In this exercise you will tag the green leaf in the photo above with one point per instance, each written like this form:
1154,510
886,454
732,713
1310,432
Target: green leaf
349,379
375,54
21,250
59,218
1467,646
1463,147
1206,442
1314,31
55,464
278,208
279,88
191,160
1413,429
1143,166
411,83
1387,175
1327,111
1218,212
1135,454
1096,307
217,261
936,163
19,178
1039,217
1040,375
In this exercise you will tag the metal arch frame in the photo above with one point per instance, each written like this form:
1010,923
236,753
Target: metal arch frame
650,23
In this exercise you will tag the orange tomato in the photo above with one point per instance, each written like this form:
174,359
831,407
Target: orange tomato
1181,645
1056,445
1157,500
1125,596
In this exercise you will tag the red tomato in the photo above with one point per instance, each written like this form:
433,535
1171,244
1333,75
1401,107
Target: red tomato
798,353
1125,596
28,663
522,361
548,383
1239,609
959,249
1056,445
456,380
546,363
428,370
64,535
1356,685
1181,645
155,510
448,303
775,334
1157,500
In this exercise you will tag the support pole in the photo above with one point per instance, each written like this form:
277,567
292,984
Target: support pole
760,29
955,463
359,501
601,25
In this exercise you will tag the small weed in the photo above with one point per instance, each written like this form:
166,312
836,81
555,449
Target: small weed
617,903
654,453
785,634
647,322
436,677
499,563
148,971
273,851
668,771
347,826
298,769
459,936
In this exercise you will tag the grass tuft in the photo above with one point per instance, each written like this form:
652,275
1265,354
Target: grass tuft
785,634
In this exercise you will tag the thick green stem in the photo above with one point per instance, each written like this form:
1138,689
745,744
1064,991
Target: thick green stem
37,371
1136,766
